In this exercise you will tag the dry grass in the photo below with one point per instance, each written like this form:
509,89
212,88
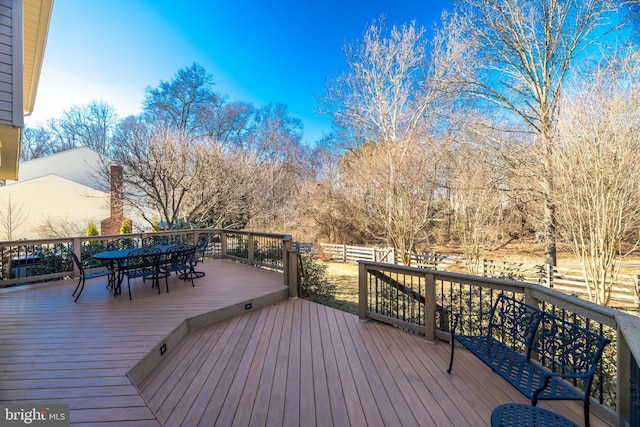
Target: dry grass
345,277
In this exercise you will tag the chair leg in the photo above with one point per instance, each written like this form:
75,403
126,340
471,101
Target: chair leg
81,289
129,286
77,286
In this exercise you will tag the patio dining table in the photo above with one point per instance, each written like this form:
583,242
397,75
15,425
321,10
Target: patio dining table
116,257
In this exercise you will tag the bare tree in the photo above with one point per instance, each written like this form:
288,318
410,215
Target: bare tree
12,216
380,109
597,180
385,94
90,125
161,167
36,142
59,226
183,103
514,55
479,206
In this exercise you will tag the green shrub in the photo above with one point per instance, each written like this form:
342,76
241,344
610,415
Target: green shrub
92,229
314,285
125,227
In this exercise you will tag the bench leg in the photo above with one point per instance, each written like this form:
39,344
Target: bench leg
451,358
586,414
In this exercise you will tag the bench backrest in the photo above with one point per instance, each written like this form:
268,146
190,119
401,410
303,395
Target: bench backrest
571,348
512,320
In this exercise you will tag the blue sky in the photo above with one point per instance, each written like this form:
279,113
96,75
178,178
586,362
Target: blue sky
257,51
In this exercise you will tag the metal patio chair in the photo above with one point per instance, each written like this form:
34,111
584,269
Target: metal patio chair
89,274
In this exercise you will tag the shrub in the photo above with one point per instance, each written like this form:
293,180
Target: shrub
92,229
314,285
125,227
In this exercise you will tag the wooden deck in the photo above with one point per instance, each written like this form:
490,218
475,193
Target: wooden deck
289,363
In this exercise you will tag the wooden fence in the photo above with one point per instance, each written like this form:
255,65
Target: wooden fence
625,292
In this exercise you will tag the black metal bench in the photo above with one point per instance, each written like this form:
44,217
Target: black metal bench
518,331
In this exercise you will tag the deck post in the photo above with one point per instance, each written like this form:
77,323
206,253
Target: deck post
362,290
250,248
292,274
623,392
77,243
430,308
223,244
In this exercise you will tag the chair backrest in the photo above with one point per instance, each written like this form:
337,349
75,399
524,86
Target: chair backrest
201,246
568,346
154,241
143,258
76,261
122,243
179,255
516,320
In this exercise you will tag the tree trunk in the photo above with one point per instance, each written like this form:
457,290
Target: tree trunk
550,255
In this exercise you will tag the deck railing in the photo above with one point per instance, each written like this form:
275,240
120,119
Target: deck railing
31,261
421,301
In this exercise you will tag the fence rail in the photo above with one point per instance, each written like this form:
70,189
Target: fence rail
32,261
625,292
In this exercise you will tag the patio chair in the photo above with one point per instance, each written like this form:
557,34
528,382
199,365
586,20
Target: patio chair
179,259
122,243
201,249
84,274
143,262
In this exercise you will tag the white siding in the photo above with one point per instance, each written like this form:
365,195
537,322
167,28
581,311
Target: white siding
54,199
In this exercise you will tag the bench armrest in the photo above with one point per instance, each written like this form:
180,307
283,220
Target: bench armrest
549,375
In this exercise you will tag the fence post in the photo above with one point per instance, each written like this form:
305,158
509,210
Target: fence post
363,296
344,253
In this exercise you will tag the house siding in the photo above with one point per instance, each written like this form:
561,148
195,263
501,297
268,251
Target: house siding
51,199
11,63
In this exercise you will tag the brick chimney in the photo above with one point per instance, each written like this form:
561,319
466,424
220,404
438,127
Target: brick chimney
112,224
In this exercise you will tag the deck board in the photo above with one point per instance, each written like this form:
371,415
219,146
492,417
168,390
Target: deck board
290,363
329,368
53,350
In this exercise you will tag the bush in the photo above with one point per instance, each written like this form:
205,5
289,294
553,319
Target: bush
125,227
314,285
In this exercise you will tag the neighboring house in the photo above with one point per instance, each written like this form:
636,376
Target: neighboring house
58,195
81,165
49,206
24,26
